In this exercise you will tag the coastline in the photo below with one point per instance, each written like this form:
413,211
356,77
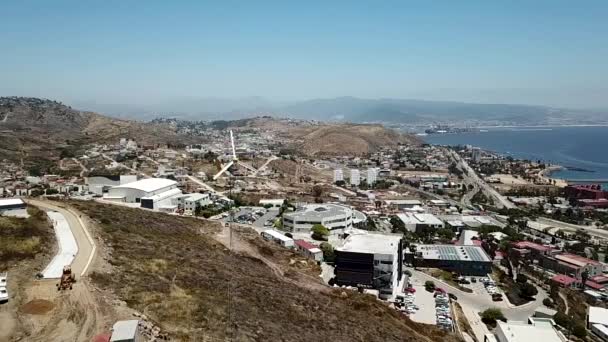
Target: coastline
545,175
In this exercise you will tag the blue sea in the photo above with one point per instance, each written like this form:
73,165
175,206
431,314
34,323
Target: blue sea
574,147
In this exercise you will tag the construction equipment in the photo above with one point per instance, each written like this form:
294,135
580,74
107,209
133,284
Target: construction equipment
67,279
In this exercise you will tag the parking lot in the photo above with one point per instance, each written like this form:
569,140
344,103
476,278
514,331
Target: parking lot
426,306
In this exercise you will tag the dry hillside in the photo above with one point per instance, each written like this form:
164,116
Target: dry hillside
349,139
179,272
37,130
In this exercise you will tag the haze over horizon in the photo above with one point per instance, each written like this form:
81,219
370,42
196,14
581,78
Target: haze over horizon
143,54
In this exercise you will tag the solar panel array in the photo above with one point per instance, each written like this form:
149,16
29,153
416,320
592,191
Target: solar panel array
465,253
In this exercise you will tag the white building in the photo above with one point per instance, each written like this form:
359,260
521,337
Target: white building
334,217
309,250
370,260
126,331
536,329
372,176
338,175
278,237
189,202
152,193
355,177
101,184
415,222
12,207
597,321
275,203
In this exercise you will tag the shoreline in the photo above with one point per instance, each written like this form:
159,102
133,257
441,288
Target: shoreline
545,175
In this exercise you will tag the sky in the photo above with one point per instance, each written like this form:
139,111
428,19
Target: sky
547,52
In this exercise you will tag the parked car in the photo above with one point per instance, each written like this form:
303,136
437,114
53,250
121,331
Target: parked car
452,296
473,280
3,294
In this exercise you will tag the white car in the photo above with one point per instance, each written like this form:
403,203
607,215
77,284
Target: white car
3,277
3,294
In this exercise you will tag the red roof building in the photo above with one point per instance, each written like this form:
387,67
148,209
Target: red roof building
564,281
531,245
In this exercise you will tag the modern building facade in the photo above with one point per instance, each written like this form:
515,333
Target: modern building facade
334,217
419,222
372,176
152,193
370,261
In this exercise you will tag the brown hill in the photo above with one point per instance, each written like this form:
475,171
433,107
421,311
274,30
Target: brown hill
349,139
180,273
315,138
35,131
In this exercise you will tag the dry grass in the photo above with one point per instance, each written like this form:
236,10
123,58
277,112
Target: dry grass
24,238
171,269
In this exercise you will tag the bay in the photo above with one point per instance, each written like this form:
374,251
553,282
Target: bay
577,148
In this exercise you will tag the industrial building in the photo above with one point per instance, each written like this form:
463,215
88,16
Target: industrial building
152,193
278,237
464,260
334,217
102,183
416,223
536,329
370,261
309,250
597,321
190,202
8,205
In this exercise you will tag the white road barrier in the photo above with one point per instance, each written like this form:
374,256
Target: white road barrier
68,248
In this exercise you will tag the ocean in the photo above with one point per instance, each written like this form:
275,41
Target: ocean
584,150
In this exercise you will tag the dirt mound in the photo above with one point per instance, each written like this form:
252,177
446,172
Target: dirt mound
37,307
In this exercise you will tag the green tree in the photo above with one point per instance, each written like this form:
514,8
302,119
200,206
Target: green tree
398,225
429,285
445,233
319,232
579,331
521,278
528,290
328,252
491,315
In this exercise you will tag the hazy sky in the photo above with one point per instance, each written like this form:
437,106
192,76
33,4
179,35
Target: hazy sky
129,52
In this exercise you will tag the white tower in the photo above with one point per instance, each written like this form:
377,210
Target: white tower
355,177
372,174
338,175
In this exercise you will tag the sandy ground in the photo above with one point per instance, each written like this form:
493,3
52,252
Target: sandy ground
37,311
558,182
510,179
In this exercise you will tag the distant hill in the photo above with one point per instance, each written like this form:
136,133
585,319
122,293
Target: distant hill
35,130
353,109
315,138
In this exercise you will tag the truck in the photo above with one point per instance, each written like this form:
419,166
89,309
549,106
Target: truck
67,279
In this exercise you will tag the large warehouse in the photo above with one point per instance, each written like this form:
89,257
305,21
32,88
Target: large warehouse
150,192
334,217
464,260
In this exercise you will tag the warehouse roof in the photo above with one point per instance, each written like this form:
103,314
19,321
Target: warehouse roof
524,332
148,184
11,202
451,252
598,315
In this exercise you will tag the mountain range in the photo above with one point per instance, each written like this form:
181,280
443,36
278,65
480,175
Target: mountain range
357,110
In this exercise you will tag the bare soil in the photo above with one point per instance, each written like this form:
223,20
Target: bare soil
196,282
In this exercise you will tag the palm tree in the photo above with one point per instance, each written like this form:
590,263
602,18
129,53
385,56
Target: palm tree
584,277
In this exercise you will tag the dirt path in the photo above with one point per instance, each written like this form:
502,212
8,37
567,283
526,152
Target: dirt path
70,315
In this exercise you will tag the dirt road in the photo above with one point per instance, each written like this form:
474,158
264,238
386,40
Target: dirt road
37,311
86,246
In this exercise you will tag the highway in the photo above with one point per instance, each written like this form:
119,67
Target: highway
500,200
